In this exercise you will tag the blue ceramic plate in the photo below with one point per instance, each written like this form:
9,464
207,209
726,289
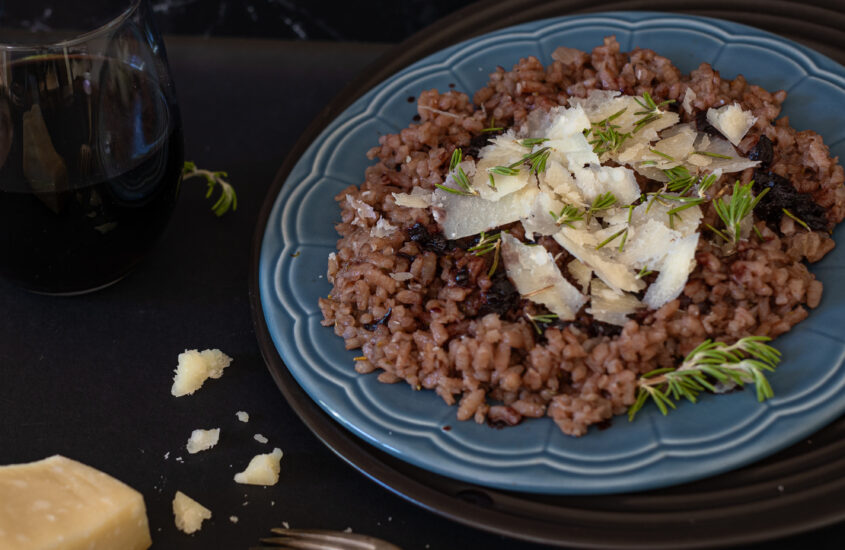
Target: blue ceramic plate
715,435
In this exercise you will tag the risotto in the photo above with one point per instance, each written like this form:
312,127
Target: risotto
549,284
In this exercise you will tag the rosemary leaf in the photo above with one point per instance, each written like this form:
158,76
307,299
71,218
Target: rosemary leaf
797,219
714,155
228,199
531,142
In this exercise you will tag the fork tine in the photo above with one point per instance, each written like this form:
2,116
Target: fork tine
300,544
343,540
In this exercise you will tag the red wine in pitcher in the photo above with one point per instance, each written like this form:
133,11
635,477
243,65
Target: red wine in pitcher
90,164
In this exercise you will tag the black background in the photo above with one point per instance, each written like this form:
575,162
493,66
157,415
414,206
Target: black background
359,21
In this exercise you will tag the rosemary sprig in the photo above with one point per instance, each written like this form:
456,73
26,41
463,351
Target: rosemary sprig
796,218
486,244
732,212
227,200
620,233
680,179
538,159
644,272
459,176
686,202
746,361
651,111
568,215
706,183
492,127
544,318
531,142
607,136
503,170
602,202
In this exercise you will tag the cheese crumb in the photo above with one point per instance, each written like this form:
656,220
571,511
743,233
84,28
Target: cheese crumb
260,438
195,367
242,416
202,440
188,513
263,469
233,519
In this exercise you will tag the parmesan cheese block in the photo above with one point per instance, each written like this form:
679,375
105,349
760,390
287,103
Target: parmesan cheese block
535,275
195,367
262,469
189,514
731,121
202,440
61,504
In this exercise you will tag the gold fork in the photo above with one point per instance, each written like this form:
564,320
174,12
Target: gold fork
315,539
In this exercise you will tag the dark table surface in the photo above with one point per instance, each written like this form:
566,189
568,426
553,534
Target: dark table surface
89,376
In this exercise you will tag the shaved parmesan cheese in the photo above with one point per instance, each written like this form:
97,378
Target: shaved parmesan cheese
731,121
535,275
686,103
581,273
674,271
362,209
558,180
735,163
536,124
567,141
595,180
611,307
684,222
383,228
677,143
601,104
647,244
419,198
462,216
582,244
505,150
540,219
